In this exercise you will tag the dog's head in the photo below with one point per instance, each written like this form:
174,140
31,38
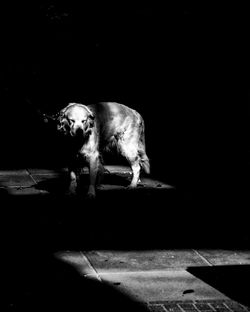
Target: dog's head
76,120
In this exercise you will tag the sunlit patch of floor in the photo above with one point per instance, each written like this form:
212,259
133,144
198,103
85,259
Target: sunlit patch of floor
42,181
164,278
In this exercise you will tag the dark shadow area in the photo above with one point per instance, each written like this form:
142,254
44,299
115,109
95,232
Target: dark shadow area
115,179
172,63
59,185
111,182
169,63
118,219
231,280
54,186
35,281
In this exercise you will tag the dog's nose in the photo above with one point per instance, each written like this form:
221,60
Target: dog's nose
79,132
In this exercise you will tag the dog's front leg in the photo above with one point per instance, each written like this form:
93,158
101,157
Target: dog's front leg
72,182
93,171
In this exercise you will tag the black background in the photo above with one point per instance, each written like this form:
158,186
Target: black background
173,63
170,62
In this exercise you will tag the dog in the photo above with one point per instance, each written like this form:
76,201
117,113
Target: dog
94,128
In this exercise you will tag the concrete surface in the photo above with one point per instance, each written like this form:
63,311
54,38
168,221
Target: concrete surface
123,246
225,257
162,285
155,276
15,178
34,181
147,260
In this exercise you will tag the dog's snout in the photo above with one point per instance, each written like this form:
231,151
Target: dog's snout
76,130
79,130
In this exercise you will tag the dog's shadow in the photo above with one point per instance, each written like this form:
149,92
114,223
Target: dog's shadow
122,180
55,185
59,185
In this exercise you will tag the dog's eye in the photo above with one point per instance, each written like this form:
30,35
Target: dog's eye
84,120
71,120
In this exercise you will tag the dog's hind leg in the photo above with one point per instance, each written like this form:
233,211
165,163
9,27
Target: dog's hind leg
130,151
144,161
72,183
135,166
94,162
100,175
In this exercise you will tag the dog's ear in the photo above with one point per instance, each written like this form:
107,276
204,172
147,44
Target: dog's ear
89,123
62,123
91,120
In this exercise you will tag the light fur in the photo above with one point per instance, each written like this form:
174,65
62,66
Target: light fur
97,127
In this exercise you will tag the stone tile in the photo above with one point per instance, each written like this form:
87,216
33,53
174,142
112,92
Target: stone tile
46,176
200,306
143,260
78,260
234,306
41,171
146,182
119,169
16,178
203,306
110,187
172,307
151,183
156,308
13,172
161,285
111,169
226,257
187,306
218,305
23,191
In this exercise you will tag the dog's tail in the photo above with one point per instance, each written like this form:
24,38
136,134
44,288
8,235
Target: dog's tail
144,160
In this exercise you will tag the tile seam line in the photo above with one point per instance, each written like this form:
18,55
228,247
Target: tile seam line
143,272
33,179
92,267
202,257
31,176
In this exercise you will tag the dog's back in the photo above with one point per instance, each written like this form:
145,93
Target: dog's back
112,116
117,123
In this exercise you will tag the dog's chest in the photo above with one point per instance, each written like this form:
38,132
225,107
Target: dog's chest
85,152
89,149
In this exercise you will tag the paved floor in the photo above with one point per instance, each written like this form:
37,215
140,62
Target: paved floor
33,181
196,305
115,253
172,280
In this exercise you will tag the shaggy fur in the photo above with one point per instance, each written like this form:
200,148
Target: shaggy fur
99,127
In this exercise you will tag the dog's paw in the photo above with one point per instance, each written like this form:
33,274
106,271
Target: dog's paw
90,196
131,187
71,190
91,192
70,193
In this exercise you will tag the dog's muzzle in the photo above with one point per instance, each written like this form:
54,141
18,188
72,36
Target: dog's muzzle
78,132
